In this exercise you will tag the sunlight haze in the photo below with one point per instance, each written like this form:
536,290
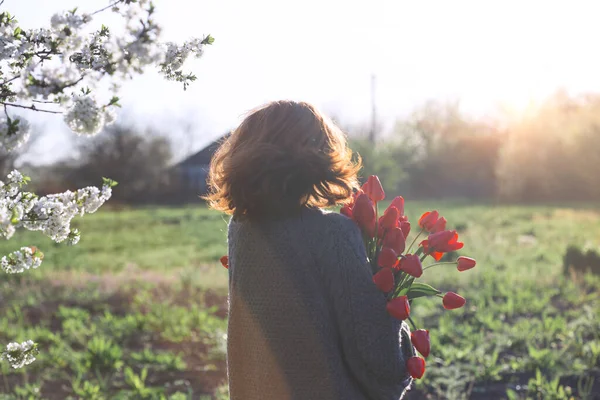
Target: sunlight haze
485,54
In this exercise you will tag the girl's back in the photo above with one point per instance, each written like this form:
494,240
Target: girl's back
305,319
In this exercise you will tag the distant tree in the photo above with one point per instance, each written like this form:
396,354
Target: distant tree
382,158
138,160
447,153
386,159
552,152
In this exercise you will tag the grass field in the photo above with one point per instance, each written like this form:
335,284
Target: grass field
137,310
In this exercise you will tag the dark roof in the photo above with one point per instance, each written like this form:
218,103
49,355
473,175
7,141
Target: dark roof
204,156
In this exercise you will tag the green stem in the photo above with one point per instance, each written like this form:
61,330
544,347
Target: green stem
377,247
439,263
412,323
414,240
401,279
376,218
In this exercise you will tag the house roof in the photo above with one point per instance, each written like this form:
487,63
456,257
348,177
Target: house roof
204,156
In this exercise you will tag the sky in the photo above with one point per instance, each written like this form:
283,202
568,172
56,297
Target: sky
486,54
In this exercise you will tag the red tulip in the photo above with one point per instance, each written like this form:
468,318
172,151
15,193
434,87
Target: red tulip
363,213
399,307
350,205
389,219
428,220
387,257
411,264
415,367
444,241
452,300
398,202
405,227
395,240
465,263
384,279
347,211
374,189
420,339
355,196
439,225
437,255
225,261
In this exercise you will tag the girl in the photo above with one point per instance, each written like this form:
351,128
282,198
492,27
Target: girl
306,321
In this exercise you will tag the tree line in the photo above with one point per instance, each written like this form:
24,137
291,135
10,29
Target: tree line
549,153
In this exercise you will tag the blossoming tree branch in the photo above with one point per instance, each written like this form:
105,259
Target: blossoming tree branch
64,69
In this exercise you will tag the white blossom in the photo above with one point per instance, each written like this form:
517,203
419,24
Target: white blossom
85,117
109,116
20,260
15,137
95,54
74,237
176,55
7,229
45,81
59,62
41,36
69,20
51,214
19,355
9,44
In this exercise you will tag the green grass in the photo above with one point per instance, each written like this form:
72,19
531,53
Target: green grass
148,239
144,291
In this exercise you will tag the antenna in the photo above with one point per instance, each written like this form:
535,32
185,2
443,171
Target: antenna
372,133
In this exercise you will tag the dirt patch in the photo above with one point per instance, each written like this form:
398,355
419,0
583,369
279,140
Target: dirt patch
205,369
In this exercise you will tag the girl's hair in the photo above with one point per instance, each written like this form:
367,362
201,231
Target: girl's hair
283,156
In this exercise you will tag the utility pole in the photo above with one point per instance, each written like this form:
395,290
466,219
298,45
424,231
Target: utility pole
373,132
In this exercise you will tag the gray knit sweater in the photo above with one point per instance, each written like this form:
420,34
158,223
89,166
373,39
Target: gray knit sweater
305,319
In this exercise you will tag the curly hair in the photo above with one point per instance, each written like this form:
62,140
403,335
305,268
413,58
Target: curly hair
284,156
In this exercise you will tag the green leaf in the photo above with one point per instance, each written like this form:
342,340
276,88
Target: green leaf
512,395
208,40
17,32
421,290
407,284
109,182
14,219
114,101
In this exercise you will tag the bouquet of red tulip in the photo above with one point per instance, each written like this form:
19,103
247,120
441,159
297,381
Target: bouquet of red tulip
395,267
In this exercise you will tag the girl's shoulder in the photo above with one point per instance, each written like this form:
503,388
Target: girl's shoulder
329,225
314,222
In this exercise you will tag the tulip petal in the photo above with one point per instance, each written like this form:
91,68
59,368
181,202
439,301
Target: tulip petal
384,279
225,261
416,367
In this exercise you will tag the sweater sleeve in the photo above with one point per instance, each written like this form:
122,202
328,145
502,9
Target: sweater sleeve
370,337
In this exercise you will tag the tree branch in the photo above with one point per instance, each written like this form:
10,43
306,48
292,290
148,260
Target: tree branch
105,8
44,101
31,107
10,80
